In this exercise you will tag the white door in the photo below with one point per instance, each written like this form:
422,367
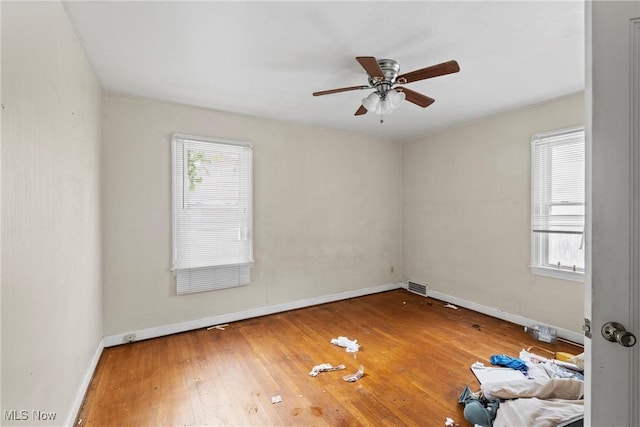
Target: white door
613,221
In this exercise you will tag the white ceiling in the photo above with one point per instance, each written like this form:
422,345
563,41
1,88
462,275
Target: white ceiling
266,58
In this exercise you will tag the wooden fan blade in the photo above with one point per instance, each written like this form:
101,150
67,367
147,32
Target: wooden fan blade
371,66
361,111
429,72
342,89
416,98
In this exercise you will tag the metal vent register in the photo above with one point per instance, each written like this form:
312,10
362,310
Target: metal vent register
417,288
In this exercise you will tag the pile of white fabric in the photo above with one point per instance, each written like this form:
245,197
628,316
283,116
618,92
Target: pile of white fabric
553,394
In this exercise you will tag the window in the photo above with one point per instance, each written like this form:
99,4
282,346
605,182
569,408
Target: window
212,213
557,204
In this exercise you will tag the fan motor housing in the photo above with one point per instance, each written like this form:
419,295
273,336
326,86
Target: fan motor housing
390,68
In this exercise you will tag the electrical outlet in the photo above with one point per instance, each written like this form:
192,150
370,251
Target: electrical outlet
129,338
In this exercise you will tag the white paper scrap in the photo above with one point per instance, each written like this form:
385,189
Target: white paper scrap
325,367
351,346
351,378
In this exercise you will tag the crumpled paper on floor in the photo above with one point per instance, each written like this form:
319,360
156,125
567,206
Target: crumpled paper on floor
325,367
355,376
351,346
449,422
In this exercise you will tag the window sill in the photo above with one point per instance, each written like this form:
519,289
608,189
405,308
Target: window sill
573,276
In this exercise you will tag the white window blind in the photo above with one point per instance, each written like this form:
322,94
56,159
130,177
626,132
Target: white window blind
212,213
558,203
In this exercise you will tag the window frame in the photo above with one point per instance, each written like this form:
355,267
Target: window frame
213,272
539,239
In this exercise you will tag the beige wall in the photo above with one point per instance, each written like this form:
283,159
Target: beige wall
327,212
466,214
51,290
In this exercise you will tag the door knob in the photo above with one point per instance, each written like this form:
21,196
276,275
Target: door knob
615,332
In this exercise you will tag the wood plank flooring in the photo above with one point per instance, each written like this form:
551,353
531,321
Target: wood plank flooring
416,354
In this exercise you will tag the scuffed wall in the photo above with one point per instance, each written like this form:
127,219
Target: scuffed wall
467,214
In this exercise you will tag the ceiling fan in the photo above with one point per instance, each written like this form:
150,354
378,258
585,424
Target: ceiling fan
383,76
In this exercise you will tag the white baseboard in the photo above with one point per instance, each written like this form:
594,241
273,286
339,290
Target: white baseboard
499,314
84,385
159,331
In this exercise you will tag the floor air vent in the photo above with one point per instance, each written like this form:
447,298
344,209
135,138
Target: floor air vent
417,288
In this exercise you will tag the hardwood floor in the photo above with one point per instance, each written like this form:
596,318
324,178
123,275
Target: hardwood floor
416,354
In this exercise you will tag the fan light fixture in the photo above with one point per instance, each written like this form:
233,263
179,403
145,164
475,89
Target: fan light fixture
383,102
